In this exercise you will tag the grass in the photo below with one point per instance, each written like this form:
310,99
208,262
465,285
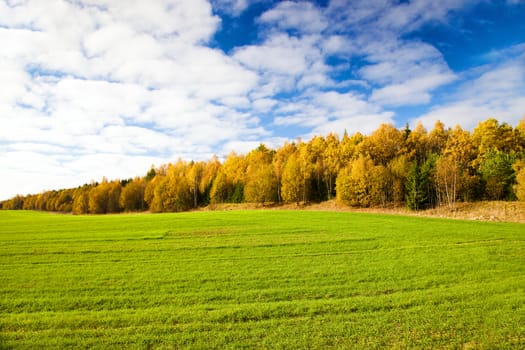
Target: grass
259,279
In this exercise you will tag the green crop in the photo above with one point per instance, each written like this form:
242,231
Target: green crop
259,279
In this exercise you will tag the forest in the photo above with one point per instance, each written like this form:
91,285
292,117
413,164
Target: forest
416,168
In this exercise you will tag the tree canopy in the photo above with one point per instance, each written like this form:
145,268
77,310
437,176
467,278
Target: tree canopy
416,168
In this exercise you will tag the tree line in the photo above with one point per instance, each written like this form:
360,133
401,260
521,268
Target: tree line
390,167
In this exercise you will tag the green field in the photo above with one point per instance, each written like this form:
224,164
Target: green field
259,279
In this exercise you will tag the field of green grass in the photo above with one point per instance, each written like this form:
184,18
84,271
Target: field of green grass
259,279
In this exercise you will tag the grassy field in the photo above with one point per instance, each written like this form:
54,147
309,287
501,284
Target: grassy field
259,279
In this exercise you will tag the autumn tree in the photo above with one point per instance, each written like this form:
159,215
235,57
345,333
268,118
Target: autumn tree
361,183
448,180
461,149
315,149
221,189
195,173
132,195
398,171
292,183
519,187
153,201
260,180
417,144
383,144
234,171
279,161
261,184
437,138
490,134
349,148
172,192
81,200
104,198
332,163
211,168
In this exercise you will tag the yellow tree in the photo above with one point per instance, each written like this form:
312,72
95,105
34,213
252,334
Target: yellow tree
448,180
151,199
173,192
417,144
279,161
398,171
234,169
461,149
260,181
98,198
519,188
349,148
221,189
261,184
210,171
194,174
332,162
306,166
292,184
519,135
81,200
490,135
132,195
437,138
362,183
316,149
383,144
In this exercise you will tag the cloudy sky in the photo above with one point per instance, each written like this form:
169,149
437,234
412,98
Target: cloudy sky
92,88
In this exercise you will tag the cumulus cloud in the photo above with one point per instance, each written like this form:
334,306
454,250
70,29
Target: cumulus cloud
300,16
94,88
495,91
117,84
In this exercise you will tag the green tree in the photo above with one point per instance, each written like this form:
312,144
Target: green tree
498,175
418,185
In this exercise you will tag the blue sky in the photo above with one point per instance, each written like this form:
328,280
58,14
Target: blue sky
93,88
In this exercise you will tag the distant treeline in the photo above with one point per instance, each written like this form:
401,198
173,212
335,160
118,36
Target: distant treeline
391,166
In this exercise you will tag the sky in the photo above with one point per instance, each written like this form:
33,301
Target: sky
93,88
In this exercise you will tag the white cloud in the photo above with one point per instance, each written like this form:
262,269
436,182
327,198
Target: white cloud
115,86
233,7
108,87
302,16
497,92
281,54
412,92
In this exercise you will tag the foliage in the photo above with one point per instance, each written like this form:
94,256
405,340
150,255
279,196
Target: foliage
361,183
520,180
497,174
418,168
418,185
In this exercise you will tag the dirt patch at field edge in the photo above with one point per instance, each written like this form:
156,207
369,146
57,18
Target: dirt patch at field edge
482,211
